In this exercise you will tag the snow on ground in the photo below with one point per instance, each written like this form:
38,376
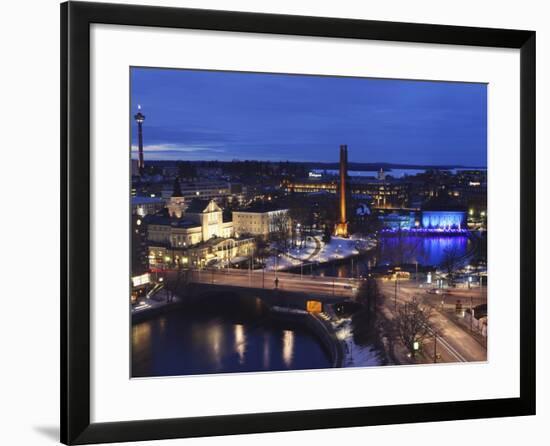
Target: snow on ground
307,250
157,300
337,248
316,251
354,355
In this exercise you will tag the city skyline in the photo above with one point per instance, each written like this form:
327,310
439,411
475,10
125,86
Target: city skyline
210,115
357,237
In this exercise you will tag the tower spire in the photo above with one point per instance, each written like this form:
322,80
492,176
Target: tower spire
140,117
177,188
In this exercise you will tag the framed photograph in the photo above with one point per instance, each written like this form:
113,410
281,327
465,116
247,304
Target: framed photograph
275,223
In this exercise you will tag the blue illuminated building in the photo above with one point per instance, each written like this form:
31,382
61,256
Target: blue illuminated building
398,221
443,219
439,215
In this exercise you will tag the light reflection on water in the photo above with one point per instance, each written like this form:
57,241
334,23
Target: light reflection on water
141,334
189,342
240,342
288,347
425,250
214,341
267,352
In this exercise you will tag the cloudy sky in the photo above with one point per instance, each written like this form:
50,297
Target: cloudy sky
206,115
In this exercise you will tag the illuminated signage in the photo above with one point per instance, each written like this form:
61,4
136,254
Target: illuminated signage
144,279
315,175
314,306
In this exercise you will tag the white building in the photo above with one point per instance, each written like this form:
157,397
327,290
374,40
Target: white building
260,219
201,221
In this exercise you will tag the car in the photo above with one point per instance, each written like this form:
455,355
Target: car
434,291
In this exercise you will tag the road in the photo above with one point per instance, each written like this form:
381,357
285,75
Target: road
454,343
314,285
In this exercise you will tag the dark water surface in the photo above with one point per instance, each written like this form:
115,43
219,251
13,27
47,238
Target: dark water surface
426,250
191,341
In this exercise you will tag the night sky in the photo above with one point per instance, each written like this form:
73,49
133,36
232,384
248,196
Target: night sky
208,115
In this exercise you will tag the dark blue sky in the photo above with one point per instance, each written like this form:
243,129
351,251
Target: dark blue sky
204,115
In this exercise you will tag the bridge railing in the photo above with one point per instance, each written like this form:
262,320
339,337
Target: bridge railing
204,273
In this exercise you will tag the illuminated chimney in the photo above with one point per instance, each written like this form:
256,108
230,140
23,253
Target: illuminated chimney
341,228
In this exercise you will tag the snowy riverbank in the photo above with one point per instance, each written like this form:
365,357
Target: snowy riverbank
316,251
355,355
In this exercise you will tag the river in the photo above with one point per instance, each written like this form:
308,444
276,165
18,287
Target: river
196,340
428,250
227,334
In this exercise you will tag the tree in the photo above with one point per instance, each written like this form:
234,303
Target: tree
412,324
281,224
368,296
327,234
300,214
451,263
262,250
479,254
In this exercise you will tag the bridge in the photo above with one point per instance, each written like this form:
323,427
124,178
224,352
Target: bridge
314,287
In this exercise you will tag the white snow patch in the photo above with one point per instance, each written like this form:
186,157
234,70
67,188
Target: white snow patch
354,355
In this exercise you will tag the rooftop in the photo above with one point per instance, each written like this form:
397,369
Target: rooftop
164,220
260,207
197,205
146,200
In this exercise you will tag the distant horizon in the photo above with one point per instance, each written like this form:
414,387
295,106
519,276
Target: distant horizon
336,161
224,115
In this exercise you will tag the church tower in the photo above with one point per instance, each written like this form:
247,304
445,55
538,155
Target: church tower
176,204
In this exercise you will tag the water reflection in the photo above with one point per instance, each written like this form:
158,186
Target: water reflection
240,342
288,347
214,341
141,334
399,250
192,341
267,352
421,249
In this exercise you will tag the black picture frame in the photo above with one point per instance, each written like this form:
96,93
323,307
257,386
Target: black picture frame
76,18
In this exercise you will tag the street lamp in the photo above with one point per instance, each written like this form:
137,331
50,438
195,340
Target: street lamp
395,294
471,313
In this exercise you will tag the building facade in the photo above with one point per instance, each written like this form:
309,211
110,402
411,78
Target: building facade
432,219
383,194
201,221
216,251
259,220
143,206
219,191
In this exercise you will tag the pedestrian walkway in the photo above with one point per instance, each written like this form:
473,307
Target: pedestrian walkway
162,298
316,251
